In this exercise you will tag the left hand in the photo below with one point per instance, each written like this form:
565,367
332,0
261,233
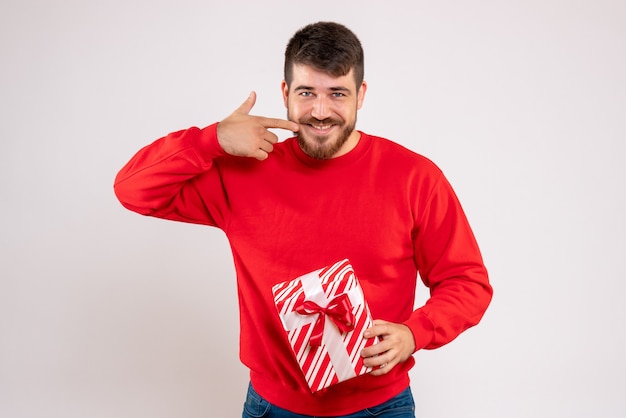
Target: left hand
396,345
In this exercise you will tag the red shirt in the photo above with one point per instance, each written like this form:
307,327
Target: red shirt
388,210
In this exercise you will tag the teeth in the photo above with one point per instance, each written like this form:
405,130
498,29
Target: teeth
322,127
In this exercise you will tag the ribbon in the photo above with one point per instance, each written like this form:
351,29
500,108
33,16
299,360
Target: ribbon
339,310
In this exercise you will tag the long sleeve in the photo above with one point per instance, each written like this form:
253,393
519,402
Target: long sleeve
451,265
176,178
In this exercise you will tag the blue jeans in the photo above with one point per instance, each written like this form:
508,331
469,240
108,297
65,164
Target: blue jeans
400,406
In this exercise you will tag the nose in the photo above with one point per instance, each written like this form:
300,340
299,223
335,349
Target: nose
321,109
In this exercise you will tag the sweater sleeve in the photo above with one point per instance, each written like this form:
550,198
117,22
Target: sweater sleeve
451,266
176,178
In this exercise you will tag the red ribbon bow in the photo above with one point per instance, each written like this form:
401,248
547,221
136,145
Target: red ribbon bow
339,310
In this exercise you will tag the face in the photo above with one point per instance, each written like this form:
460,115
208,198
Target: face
325,107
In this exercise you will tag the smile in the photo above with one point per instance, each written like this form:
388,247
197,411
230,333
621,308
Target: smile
322,127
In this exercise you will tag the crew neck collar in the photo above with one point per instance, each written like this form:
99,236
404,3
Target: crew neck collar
354,154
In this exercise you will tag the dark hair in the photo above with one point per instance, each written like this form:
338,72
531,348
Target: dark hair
327,46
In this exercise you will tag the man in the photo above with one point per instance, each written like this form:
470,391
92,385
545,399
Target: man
330,193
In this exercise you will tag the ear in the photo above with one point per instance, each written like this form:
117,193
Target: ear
361,95
285,88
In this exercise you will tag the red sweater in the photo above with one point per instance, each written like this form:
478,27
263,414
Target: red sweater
390,211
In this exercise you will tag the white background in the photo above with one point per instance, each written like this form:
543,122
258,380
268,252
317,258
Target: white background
104,313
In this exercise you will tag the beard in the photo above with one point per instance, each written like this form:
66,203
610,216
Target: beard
326,146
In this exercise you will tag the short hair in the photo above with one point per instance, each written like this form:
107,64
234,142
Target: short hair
329,47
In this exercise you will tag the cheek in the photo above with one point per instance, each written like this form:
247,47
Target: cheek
296,110
348,115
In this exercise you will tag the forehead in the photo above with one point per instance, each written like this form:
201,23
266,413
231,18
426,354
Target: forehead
311,77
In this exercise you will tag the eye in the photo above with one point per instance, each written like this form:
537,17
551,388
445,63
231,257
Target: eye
338,94
306,94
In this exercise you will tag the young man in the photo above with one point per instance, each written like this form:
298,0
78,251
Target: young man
327,194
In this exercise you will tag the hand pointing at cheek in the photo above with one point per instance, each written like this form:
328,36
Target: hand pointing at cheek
246,135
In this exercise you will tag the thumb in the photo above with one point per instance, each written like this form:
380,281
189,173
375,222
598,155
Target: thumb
248,104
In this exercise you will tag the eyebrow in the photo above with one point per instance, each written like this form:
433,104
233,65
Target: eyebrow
341,89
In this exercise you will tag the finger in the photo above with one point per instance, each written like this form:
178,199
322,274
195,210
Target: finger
247,105
378,361
381,364
279,123
266,146
379,329
376,349
270,137
382,369
261,154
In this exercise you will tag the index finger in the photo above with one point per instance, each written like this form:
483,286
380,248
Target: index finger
279,123
378,328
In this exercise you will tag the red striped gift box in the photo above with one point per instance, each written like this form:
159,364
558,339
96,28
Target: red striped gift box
324,314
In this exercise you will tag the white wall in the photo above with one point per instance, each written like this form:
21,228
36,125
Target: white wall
105,313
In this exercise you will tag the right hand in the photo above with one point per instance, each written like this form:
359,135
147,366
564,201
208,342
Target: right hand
248,136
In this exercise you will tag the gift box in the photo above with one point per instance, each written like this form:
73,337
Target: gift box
324,314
